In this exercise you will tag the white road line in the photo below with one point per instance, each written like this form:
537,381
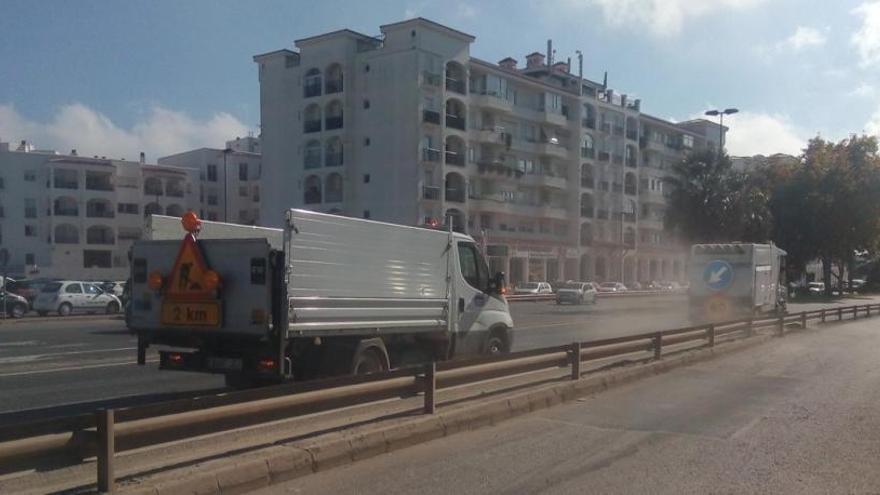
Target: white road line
73,368
69,353
19,343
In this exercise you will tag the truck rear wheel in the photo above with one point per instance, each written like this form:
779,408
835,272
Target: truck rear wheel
368,361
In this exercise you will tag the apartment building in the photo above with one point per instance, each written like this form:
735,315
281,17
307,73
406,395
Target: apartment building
558,176
73,216
229,185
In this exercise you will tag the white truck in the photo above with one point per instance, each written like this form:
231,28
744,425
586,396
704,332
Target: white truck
735,280
326,295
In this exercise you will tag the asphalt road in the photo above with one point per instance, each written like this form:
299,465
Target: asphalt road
795,415
77,364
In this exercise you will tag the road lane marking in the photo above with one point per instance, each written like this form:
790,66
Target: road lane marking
73,368
34,357
19,343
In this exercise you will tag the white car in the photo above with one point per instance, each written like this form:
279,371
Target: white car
816,288
70,297
534,288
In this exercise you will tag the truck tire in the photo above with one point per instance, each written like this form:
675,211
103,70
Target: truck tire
368,361
112,308
497,343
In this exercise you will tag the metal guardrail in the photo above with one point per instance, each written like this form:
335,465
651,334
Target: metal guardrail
624,294
108,431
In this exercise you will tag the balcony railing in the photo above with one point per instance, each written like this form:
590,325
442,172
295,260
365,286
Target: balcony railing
586,240
455,195
588,153
631,162
634,135
333,196
92,213
64,212
430,79
589,122
629,217
631,190
99,185
312,126
431,193
618,130
455,121
174,193
431,116
66,184
587,212
617,159
333,159
430,155
104,239
129,234
333,123
333,86
454,158
455,85
312,89
153,191
313,160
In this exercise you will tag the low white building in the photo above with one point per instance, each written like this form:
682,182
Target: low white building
230,179
72,216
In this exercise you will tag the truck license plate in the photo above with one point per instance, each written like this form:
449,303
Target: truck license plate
191,313
224,364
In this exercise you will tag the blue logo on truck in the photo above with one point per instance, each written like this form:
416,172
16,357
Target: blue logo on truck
718,275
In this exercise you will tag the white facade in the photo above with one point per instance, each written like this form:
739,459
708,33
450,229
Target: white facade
560,177
75,217
229,188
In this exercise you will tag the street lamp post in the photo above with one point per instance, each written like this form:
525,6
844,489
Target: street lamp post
721,114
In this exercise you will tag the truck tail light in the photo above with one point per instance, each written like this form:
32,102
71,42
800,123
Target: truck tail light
266,364
175,358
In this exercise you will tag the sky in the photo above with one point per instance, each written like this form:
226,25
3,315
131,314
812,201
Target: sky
114,78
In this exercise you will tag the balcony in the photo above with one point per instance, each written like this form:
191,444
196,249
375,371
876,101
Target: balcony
430,155
312,89
455,86
491,136
556,182
312,126
633,135
553,118
455,195
606,127
587,182
588,153
492,102
431,193
617,159
98,213
495,203
313,160
430,79
589,122
604,156
65,184
629,217
64,212
587,212
455,122
129,234
333,123
631,162
557,150
631,190
152,191
333,159
333,86
617,130
453,158
431,117
99,184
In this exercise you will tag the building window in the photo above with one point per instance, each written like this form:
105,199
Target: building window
243,191
366,213
212,200
366,104
366,141
366,67
128,208
212,172
242,171
366,178
30,176
30,231
29,259
30,208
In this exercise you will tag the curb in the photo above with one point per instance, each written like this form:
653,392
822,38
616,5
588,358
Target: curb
289,461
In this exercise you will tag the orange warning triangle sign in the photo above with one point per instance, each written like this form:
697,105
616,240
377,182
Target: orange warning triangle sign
188,275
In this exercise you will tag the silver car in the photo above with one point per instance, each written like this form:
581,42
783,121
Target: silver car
576,293
70,297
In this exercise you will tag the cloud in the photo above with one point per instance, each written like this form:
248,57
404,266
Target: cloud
867,38
466,11
661,17
872,127
161,132
863,90
803,37
753,133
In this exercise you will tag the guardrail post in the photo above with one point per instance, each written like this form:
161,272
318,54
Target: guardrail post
839,314
803,319
430,387
855,312
751,328
710,335
106,450
780,325
657,343
868,310
575,360
823,315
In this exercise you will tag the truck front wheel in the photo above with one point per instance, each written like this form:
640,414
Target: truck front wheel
497,343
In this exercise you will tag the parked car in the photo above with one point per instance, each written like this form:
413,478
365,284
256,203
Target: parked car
576,293
14,305
28,288
68,297
635,286
816,288
115,288
857,283
533,288
612,287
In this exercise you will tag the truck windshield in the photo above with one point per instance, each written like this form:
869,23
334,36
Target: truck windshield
473,266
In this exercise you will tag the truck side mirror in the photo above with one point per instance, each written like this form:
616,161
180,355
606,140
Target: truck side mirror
496,285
